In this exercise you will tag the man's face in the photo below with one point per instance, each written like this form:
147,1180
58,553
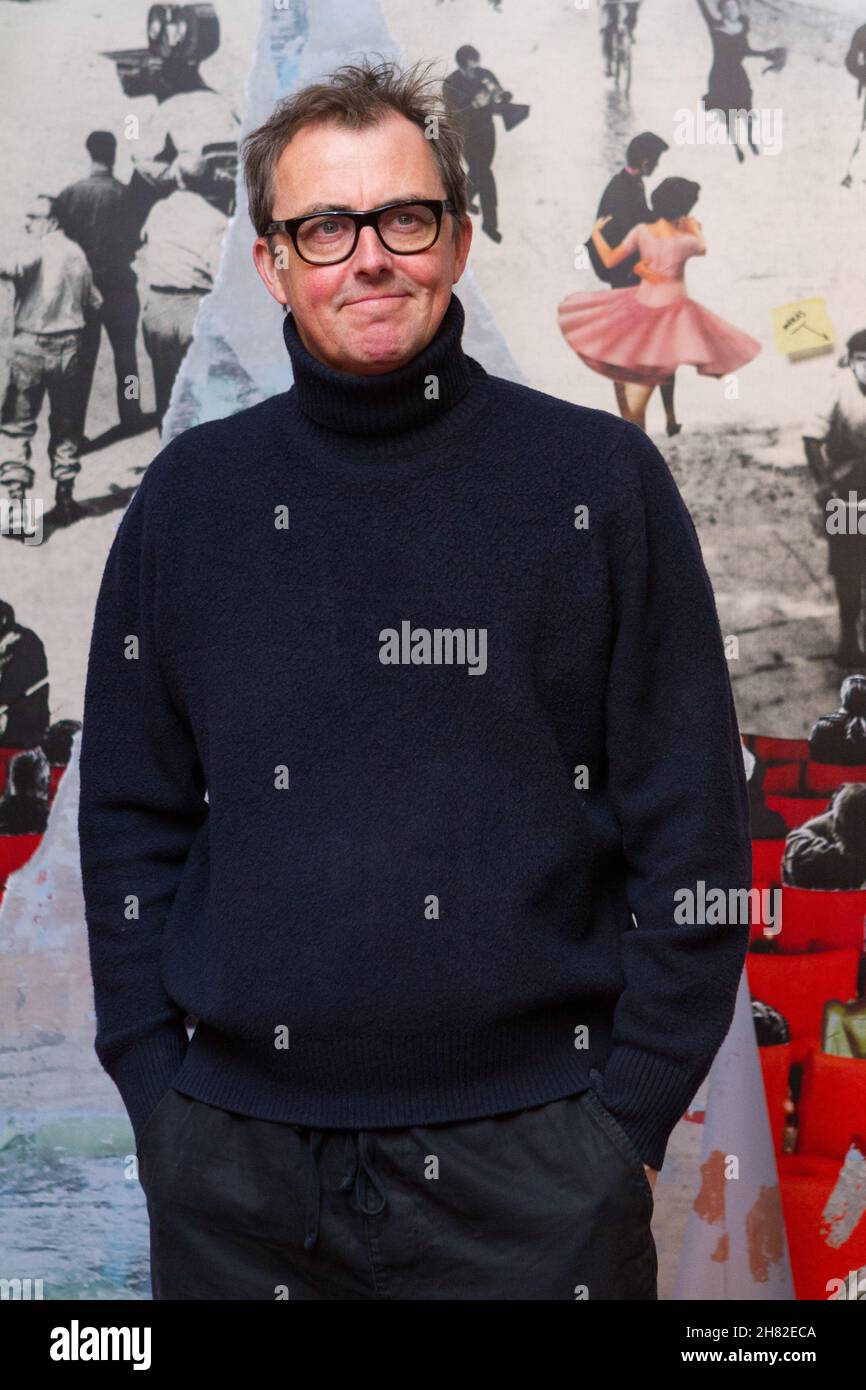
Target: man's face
375,311
39,220
858,367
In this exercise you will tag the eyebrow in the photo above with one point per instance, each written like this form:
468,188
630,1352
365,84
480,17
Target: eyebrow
344,207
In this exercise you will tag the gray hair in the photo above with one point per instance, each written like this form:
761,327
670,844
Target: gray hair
356,95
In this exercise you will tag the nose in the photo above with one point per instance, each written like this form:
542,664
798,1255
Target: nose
370,255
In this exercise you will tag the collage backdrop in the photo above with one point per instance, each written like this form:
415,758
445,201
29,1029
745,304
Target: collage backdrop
124,205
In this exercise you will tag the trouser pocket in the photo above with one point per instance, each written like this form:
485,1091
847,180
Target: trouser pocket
623,1143
163,1119
152,1120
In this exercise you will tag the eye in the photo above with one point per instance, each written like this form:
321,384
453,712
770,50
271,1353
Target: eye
409,219
325,229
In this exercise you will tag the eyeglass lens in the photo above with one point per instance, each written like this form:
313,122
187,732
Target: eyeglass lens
411,227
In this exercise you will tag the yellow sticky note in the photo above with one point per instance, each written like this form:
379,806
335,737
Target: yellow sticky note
803,328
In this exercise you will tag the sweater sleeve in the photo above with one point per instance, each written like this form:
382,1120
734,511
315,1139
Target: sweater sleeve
142,803
678,787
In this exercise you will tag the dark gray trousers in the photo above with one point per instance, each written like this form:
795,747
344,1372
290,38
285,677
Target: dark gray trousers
550,1202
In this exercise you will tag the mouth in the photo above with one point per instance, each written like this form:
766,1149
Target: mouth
375,299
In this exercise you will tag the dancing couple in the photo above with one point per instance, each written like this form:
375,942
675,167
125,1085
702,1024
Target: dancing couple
639,335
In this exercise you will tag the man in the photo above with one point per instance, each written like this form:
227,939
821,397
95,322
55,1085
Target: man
95,213
829,850
24,707
183,239
624,201
58,741
610,17
834,442
24,805
383,753
55,299
840,738
469,95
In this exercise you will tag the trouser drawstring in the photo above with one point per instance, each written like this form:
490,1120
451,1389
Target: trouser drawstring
359,1170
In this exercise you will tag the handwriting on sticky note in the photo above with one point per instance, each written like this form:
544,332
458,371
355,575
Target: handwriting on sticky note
803,328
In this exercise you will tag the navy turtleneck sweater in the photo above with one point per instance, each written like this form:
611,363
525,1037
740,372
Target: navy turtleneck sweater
408,741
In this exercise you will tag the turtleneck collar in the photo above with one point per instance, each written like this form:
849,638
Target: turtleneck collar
391,402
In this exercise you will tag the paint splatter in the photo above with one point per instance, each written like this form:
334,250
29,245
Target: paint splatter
722,1250
765,1233
847,1202
709,1204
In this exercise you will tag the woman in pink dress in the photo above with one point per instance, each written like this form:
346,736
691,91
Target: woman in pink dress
639,335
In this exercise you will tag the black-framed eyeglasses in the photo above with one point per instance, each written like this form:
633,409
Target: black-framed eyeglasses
405,228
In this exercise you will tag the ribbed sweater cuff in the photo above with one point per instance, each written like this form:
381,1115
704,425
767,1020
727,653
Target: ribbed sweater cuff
648,1097
144,1071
